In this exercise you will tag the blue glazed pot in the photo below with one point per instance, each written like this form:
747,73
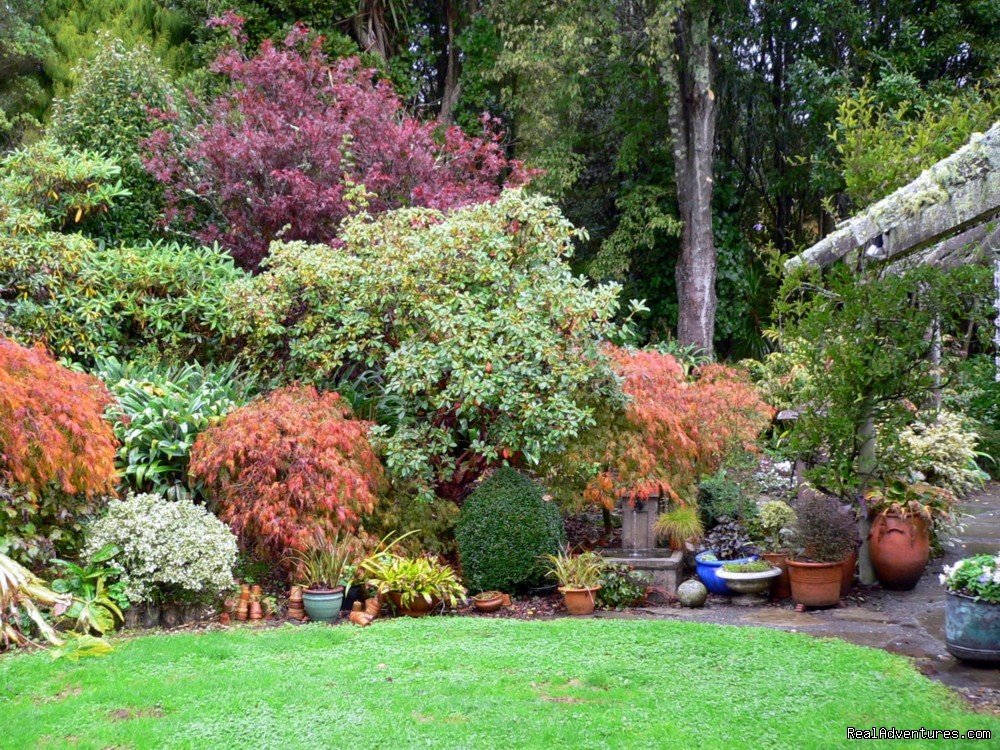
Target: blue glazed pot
323,606
707,571
972,629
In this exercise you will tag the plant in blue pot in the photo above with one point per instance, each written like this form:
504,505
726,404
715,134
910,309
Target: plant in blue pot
972,609
321,569
728,542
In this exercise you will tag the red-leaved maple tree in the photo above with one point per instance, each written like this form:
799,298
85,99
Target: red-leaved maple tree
287,469
52,428
298,142
676,429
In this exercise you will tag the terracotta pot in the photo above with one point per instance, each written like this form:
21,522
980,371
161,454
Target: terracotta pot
419,607
492,604
815,584
256,590
224,618
847,573
900,548
242,610
373,606
781,587
579,601
255,611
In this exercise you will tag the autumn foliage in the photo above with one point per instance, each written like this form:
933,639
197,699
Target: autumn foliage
52,430
287,468
676,429
298,142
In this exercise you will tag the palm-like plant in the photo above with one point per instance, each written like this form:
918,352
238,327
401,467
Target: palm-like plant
96,604
24,595
325,565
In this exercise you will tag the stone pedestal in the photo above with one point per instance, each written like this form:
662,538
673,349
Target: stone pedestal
664,566
639,525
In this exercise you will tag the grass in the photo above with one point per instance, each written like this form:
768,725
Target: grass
467,682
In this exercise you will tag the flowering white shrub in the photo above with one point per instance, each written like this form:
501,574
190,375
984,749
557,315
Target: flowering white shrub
977,576
171,550
944,451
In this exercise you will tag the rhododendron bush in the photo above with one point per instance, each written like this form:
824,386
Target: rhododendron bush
675,429
484,345
288,468
298,142
56,451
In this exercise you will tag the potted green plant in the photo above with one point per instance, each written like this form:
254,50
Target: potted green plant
414,585
749,579
903,515
776,517
828,534
579,578
321,570
972,609
679,525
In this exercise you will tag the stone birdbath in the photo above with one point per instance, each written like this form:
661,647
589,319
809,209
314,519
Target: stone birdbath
749,585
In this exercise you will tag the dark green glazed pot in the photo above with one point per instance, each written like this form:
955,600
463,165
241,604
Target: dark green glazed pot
972,629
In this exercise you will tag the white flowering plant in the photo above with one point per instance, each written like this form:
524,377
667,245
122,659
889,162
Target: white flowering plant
171,550
978,577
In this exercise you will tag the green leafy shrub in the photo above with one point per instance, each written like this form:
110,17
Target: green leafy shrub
87,302
622,587
776,516
504,527
108,111
97,599
721,498
158,413
976,394
171,551
473,320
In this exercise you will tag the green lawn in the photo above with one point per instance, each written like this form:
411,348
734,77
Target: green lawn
466,682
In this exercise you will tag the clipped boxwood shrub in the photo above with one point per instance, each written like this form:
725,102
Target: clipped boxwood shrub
503,529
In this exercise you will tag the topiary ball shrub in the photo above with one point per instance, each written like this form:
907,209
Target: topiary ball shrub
503,529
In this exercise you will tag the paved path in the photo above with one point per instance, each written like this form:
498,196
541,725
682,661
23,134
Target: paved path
909,623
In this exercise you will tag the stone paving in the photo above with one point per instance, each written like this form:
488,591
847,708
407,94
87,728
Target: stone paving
909,623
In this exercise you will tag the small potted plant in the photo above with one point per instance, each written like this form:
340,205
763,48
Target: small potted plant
321,570
828,534
972,609
749,579
903,516
777,517
488,601
579,579
727,542
414,585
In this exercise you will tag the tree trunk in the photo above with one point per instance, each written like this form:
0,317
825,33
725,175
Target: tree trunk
452,88
687,65
866,466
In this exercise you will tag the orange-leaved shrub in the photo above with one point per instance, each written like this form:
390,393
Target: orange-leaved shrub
287,468
52,427
676,429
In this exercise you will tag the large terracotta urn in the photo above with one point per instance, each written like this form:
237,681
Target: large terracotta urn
900,548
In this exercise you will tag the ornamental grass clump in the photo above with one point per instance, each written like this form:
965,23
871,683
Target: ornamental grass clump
171,551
